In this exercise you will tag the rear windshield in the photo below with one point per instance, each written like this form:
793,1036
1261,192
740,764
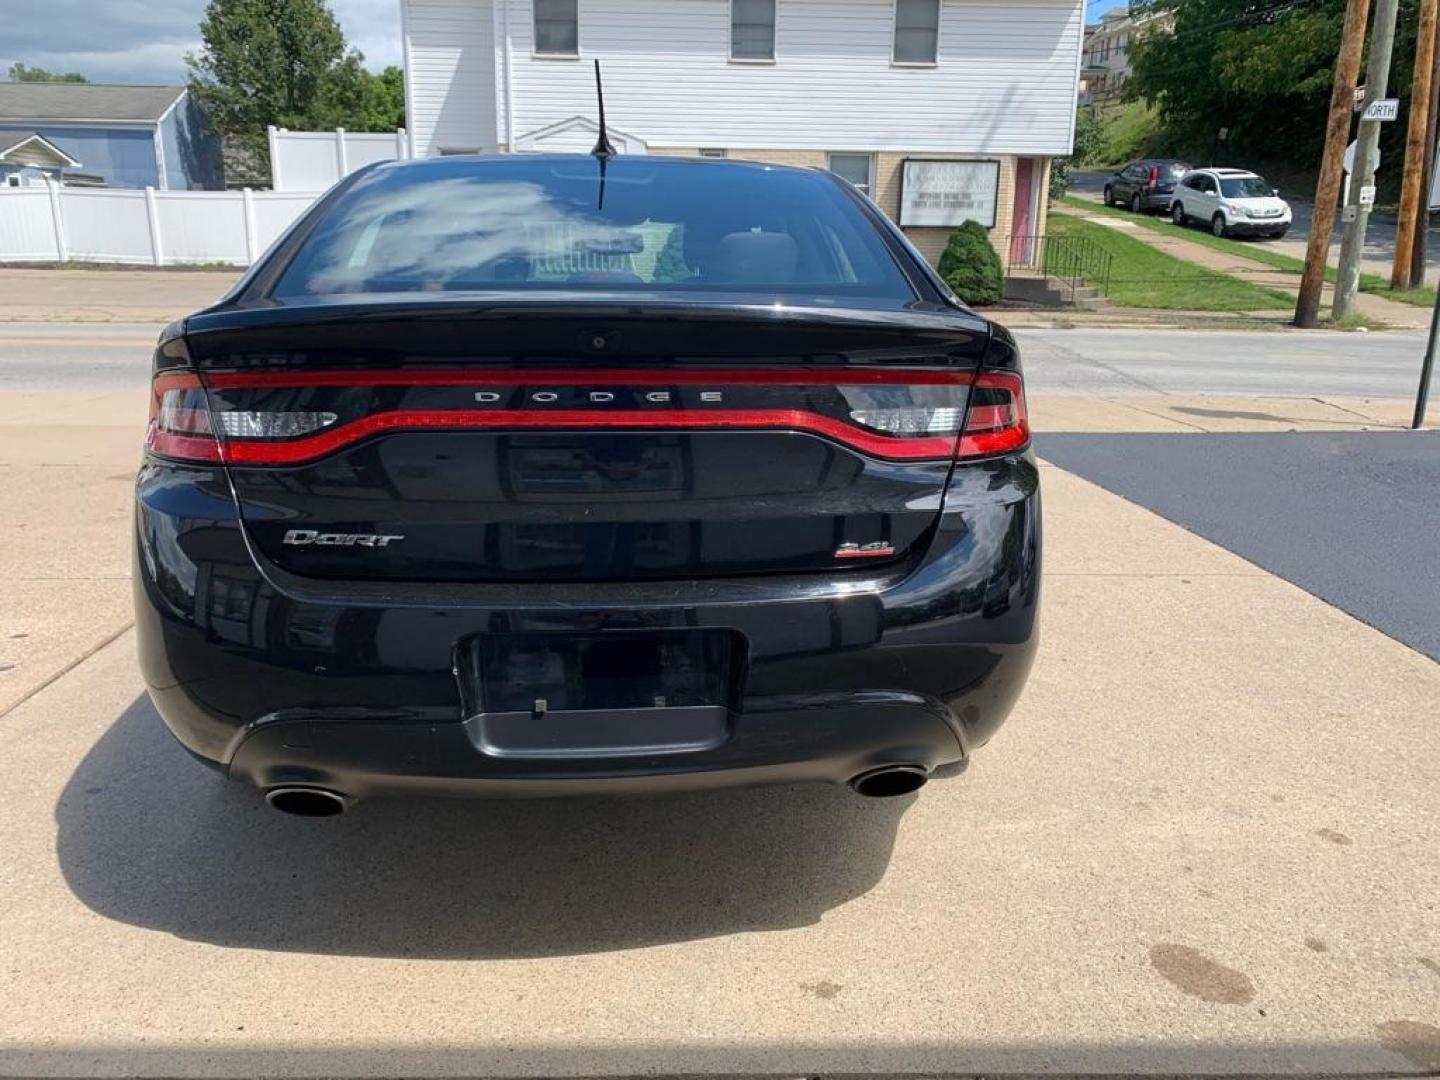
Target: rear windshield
551,223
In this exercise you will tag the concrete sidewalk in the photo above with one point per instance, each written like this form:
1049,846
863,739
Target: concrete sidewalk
101,294
1153,870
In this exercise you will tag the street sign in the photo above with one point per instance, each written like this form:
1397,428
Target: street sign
1433,203
1383,111
1359,97
1367,196
1350,158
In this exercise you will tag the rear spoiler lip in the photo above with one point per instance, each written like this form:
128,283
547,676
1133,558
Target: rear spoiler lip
499,305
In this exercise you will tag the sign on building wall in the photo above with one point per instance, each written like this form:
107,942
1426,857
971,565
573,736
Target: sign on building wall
948,193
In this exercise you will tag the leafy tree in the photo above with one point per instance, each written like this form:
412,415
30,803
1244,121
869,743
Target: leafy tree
670,265
281,62
1260,68
22,73
970,265
384,108
1089,136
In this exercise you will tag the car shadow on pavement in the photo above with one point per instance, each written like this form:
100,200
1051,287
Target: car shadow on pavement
151,838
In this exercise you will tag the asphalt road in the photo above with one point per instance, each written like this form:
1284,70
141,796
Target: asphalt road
1350,517
1266,363
1241,363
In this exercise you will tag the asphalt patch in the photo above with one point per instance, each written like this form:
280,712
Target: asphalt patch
1352,517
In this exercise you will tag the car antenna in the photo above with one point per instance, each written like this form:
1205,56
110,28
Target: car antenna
603,151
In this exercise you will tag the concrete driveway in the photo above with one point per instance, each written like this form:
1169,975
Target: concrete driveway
1205,843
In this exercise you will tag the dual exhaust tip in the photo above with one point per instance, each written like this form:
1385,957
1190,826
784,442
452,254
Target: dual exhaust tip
307,801
886,782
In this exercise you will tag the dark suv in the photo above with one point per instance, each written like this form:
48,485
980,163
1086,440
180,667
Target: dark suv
1146,184
535,475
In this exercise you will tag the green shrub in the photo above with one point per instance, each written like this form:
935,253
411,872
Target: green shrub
970,265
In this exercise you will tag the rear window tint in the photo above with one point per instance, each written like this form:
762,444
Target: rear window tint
547,223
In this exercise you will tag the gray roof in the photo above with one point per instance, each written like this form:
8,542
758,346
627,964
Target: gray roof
35,102
10,140
14,138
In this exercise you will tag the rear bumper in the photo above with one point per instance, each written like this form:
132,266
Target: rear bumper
277,680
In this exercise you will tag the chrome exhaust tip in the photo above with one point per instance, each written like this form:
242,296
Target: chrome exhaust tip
889,781
307,802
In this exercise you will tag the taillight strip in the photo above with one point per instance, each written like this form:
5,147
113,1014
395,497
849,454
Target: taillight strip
989,429
825,376
293,451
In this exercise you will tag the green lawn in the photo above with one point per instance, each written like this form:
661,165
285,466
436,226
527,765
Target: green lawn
1144,276
1255,251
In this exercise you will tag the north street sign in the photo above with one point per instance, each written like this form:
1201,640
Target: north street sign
1384,110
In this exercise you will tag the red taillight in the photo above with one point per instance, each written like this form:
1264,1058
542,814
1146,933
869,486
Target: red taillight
1154,174
180,425
996,422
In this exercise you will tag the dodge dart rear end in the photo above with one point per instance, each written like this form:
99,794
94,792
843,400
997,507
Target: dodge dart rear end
547,475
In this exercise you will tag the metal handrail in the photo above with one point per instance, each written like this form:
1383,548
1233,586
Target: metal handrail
1072,262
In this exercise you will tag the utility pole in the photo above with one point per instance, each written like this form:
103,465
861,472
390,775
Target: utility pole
1367,142
1327,188
1422,211
1411,215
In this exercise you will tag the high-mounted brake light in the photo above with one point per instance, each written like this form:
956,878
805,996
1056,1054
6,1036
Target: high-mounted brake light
996,422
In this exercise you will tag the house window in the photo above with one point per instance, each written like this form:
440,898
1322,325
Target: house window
853,167
557,28
711,151
752,29
917,31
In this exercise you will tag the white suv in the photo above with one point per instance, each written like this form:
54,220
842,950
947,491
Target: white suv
1231,201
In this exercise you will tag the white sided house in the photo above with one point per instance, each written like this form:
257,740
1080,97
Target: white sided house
942,110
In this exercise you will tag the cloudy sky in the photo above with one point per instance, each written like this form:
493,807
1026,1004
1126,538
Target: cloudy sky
145,41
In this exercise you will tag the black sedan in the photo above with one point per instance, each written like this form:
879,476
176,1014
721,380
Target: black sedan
536,475
1145,184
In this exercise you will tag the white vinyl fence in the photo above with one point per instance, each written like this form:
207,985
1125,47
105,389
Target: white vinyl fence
313,160
148,227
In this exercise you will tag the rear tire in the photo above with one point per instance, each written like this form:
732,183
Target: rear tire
1136,206
1217,225
1177,215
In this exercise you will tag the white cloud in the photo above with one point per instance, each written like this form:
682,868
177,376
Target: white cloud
145,41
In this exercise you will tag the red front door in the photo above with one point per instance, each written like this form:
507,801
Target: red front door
1022,224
